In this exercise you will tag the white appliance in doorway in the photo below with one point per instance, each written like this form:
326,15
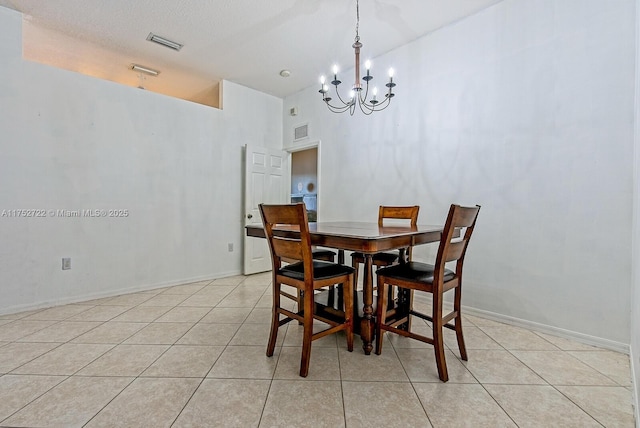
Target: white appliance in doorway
305,178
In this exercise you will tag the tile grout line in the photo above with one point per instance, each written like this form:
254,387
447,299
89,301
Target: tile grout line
36,398
151,364
278,361
554,386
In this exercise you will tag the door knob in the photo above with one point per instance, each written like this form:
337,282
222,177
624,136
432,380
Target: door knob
249,215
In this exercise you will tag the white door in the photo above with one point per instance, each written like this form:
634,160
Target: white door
266,181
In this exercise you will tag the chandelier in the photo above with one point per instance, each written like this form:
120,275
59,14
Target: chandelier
358,94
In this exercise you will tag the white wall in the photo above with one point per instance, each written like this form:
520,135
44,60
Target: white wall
72,142
635,295
526,109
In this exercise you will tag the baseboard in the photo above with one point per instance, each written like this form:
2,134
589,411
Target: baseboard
543,328
578,337
635,387
555,331
111,293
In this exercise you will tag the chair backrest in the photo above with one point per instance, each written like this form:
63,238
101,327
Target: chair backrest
287,246
451,249
402,213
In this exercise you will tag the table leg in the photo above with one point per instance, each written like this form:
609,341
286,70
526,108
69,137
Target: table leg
366,324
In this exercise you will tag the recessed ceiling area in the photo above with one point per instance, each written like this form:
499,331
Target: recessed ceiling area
248,42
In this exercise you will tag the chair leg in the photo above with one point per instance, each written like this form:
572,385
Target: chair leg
460,337
348,312
300,302
275,319
355,264
405,306
458,324
409,309
390,297
381,314
307,335
300,297
331,259
438,342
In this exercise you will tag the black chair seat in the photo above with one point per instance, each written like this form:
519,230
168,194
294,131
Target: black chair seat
322,254
385,257
321,270
414,271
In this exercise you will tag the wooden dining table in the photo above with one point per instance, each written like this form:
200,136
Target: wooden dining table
364,237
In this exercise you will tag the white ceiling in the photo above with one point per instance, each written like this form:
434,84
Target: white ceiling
244,41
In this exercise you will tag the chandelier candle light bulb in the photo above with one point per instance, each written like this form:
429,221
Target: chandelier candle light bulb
357,95
335,82
390,85
367,66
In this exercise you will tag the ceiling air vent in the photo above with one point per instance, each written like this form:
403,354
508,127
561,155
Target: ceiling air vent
300,132
164,42
144,69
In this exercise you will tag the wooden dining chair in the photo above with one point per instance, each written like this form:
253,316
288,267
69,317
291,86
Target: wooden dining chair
317,254
388,258
435,279
307,275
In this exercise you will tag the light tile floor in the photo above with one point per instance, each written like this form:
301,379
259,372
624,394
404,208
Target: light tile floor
194,355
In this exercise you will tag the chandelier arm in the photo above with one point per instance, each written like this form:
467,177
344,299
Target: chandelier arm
363,98
340,98
382,105
378,106
365,109
337,109
385,103
368,108
385,106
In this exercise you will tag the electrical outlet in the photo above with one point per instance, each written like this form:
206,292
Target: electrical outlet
230,246
66,263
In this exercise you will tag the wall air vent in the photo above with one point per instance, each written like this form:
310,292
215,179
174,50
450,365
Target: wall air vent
164,42
300,132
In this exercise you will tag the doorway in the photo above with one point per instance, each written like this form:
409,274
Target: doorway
305,167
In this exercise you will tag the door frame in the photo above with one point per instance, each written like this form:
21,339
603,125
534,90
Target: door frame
299,148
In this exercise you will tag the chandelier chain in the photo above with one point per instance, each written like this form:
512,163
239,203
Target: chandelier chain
357,20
